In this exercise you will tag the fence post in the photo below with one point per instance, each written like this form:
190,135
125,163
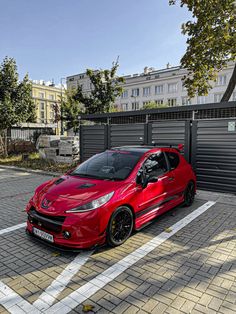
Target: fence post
107,136
81,143
149,133
187,142
194,143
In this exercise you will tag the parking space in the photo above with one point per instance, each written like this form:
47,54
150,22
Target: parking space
184,262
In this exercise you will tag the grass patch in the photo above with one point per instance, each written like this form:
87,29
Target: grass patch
34,162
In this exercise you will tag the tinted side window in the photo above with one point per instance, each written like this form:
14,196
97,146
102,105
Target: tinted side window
155,165
173,160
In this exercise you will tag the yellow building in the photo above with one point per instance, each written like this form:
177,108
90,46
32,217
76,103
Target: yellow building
47,98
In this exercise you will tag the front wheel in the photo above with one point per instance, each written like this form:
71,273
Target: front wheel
120,226
189,194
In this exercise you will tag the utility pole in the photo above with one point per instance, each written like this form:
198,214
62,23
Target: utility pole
62,126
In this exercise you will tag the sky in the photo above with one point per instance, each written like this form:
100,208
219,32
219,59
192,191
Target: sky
52,39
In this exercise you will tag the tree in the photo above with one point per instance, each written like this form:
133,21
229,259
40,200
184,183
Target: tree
211,44
16,103
71,109
153,105
106,86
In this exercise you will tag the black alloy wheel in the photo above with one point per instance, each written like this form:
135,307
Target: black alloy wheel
120,226
189,194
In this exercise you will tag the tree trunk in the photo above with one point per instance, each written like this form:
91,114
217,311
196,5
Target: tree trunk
230,87
3,143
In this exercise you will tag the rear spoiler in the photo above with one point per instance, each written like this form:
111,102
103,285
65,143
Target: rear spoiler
178,147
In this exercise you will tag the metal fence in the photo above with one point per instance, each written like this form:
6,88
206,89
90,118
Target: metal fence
214,154
209,145
96,138
27,134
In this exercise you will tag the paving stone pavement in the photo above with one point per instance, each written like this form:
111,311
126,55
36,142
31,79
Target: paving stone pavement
194,271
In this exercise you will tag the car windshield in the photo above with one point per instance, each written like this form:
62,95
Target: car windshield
109,165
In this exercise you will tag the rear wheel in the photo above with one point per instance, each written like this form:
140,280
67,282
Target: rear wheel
120,226
189,194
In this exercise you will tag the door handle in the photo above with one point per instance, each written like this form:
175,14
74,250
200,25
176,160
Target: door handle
171,178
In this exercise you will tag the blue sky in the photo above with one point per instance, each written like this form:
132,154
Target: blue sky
57,38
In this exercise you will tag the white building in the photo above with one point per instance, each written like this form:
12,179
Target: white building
161,86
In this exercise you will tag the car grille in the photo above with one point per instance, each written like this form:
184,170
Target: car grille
51,223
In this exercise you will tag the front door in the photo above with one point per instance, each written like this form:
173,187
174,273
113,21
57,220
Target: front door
152,198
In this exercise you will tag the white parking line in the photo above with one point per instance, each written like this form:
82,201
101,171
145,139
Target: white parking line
58,285
13,228
12,301
86,291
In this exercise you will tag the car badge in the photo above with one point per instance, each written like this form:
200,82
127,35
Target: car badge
45,203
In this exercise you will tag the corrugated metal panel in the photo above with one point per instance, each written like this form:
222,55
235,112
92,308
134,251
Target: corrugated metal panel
92,140
214,155
127,134
172,132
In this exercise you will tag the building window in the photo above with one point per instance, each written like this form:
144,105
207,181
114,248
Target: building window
172,102
42,105
172,87
124,94
41,95
159,89
135,105
217,97
221,80
146,103
146,91
42,115
201,100
124,107
51,97
186,101
184,88
135,92
159,101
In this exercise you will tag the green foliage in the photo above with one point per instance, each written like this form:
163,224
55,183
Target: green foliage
106,86
71,109
16,103
211,43
153,105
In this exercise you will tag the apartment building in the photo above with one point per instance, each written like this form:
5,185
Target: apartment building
46,96
162,86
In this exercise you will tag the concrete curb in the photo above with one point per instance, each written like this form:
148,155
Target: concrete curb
41,172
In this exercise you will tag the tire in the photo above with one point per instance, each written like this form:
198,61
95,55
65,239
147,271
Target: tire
189,194
120,226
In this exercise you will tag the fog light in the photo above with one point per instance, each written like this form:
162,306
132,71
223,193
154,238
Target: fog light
30,219
66,234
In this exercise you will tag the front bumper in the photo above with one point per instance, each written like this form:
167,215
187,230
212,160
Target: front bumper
84,229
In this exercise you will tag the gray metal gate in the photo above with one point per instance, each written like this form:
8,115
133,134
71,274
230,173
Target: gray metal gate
96,138
214,154
126,134
171,132
93,140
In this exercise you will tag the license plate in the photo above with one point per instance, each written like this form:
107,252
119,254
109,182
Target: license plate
43,235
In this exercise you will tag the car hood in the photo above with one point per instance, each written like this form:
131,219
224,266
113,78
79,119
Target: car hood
69,191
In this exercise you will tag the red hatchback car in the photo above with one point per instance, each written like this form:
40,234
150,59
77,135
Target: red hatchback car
108,196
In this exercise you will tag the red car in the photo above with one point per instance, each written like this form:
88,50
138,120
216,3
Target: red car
110,195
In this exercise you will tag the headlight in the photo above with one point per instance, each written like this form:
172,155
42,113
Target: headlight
92,205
